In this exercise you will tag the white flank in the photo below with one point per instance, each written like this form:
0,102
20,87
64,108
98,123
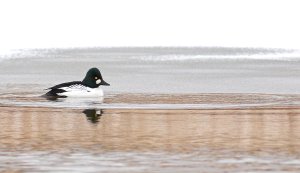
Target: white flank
81,91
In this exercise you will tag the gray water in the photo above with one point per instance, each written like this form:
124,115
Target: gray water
203,109
159,70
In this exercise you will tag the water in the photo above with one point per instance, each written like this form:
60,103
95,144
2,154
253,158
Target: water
167,110
159,70
59,140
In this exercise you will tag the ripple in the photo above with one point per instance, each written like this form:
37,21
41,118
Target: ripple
154,101
86,162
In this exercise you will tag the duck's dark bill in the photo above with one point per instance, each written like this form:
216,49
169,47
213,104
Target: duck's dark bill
104,83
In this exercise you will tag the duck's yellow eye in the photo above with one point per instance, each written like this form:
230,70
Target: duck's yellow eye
96,77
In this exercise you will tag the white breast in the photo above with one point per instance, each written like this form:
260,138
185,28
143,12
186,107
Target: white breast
81,91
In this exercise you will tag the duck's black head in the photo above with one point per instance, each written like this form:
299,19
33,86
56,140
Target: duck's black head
93,78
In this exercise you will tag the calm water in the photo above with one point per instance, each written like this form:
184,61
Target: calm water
167,110
157,70
44,139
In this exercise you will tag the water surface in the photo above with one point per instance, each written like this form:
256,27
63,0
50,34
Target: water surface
158,70
205,109
40,139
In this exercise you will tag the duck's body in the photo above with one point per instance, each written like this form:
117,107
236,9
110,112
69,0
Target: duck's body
86,88
74,89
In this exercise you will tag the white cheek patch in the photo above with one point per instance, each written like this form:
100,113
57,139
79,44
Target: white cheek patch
98,81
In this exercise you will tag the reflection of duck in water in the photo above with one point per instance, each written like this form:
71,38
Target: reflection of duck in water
88,87
93,115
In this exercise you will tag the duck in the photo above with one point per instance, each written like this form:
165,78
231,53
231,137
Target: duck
88,87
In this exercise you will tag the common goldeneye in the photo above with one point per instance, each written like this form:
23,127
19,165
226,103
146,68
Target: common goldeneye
88,87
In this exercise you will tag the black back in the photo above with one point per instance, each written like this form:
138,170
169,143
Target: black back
66,84
55,90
